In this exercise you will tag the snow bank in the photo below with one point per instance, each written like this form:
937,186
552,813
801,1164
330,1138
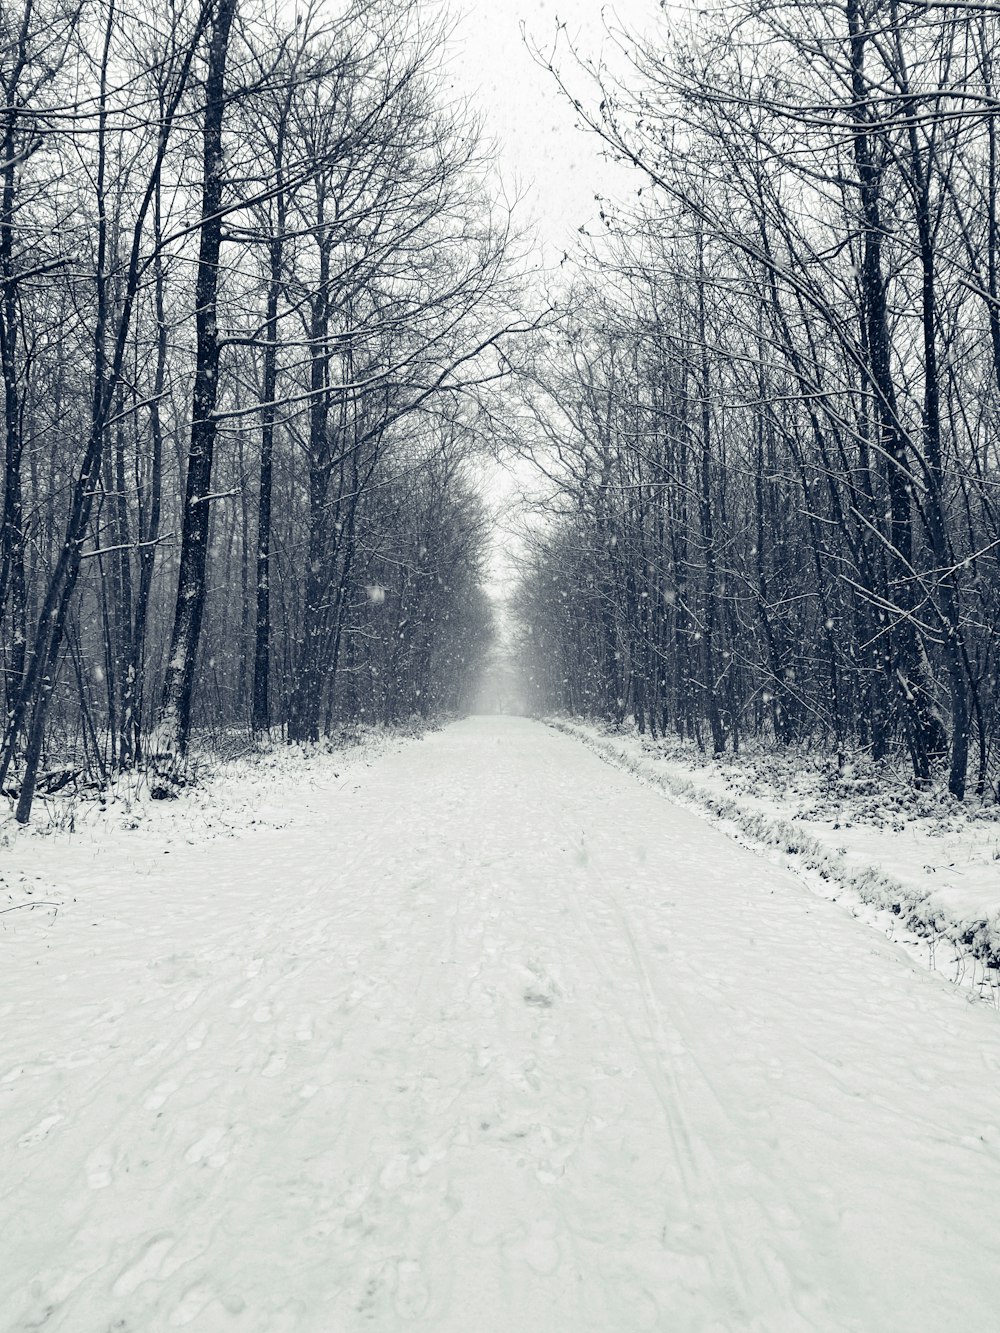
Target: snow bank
919,865
267,787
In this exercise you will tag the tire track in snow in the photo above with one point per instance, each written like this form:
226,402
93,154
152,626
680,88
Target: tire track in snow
456,1143
695,1171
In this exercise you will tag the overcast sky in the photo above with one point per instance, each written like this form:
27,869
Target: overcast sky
559,166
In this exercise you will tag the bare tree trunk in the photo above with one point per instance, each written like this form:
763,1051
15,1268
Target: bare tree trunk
149,530
922,729
260,708
13,584
710,612
178,687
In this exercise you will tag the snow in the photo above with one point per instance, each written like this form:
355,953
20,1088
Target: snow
919,865
482,1035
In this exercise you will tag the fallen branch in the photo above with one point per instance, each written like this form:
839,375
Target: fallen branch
19,906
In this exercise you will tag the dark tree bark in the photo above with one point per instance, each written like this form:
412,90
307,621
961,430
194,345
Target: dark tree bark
178,688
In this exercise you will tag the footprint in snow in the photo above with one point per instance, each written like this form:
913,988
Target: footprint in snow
540,1249
370,1297
160,1095
412,1294
154,1051
82,1058
187,999
538,999
52,1289
196,1037
145,1266
193,1303
436,1152
275,1065
100,1169
205,1149
395,1172
39,1132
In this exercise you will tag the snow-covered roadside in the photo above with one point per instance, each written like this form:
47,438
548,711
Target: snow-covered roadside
918,866
490,1037
278,786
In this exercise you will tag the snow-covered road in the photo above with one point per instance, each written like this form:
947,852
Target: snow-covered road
496,1040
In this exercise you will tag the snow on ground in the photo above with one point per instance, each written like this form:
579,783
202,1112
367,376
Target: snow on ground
920,866
489,1037
279,787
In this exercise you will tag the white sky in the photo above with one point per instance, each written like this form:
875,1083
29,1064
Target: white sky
538,146
540,152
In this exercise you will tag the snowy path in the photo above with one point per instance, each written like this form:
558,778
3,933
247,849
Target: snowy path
502,1042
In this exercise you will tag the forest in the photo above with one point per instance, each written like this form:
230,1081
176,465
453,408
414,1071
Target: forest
252,280
770,426
500,666
267,322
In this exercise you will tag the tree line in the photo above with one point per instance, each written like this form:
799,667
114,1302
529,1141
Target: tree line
253,282
770,422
